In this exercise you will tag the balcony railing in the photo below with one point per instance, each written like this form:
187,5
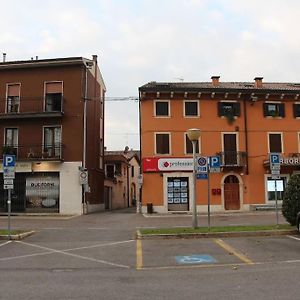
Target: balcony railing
233,158
47,152
20,108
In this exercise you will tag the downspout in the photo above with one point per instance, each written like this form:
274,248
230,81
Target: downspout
246,133
139,203
128,201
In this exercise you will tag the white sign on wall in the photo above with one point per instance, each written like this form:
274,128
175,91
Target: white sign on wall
175,164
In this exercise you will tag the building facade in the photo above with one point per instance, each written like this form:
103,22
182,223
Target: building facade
121,178
52,120
242,122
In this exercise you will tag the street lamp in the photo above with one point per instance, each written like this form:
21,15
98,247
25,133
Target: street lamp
193,135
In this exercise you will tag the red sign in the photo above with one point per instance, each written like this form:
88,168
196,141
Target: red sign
167,164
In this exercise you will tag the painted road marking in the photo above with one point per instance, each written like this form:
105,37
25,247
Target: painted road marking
139,255
75,255
230,249
293,237
195,259
5,243
65,250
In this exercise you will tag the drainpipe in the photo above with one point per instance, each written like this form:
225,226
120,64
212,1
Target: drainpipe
139,202
246,132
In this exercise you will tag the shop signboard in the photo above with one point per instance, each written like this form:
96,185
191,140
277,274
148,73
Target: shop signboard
166,164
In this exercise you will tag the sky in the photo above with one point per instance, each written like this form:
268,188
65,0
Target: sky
138,41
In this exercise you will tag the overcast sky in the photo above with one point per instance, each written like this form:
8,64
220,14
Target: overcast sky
138,41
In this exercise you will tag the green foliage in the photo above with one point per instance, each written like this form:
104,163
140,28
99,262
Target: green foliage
291,200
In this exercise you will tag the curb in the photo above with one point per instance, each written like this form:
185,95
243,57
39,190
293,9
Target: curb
15,237
140,236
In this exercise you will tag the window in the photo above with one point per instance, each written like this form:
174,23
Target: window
226,109
191,108
162,108
162,141
132,171
53,96
296,107
11,141
52,142
13,98
230,145
274,110
110,171
275,143
189,146
278,186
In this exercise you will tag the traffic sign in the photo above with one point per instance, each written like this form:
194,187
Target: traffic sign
8,186
274,158
215,164
83,177
8,181
202,164
9,160
201,176
8,172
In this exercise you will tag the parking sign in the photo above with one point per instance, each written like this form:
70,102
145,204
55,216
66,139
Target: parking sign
215,164
9,160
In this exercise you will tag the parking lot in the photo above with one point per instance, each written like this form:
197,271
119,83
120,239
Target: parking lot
79,258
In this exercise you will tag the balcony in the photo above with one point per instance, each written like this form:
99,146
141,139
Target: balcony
233,159
37,152
36,107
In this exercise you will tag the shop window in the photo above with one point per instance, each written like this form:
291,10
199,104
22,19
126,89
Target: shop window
53,96
189,146
296,108
277,187
191,108
162,143
274,110
275,143
162,108
13,98
228,109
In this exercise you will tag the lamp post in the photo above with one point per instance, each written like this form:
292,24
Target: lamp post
193,135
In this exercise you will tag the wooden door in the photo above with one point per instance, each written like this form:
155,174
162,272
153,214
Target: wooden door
231,193
230,151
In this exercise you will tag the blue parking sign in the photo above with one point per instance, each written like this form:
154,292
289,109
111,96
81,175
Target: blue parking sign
275,158
215,161
9,160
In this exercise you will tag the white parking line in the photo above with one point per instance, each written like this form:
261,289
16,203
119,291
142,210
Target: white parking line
5,243
293,237
75,255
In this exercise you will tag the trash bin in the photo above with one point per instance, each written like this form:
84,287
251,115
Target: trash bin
149,208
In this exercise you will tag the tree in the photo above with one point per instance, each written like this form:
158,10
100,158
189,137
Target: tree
291,200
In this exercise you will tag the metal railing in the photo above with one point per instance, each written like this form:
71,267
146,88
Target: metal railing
35,151
233,158
34,105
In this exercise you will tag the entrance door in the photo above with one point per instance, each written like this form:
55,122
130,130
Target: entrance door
178,193
232,193
230,151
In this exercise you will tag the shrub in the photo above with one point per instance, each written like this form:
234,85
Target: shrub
291,200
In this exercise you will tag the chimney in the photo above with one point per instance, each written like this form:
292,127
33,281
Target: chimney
258,82
4,57
215,80
95,58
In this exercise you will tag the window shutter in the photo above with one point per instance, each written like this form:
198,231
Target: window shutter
237,109
281,110
265,107
296,110
220,111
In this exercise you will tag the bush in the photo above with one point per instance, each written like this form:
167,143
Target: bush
291,200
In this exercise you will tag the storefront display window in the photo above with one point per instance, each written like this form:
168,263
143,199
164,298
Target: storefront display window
280,188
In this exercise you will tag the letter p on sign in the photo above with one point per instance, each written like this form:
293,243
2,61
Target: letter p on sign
9,160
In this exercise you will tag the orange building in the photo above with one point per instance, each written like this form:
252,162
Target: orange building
242,122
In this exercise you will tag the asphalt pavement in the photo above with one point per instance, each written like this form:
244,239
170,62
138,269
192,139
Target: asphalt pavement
96,257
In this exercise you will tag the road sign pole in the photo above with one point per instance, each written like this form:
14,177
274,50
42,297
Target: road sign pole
276,204
208,198
9,211
195,221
